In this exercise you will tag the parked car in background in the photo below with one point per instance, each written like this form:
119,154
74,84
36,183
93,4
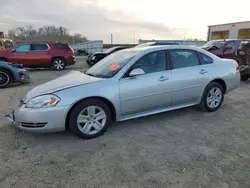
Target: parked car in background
5,44
12,73
155,44
128,84
232,49
56,55
94,58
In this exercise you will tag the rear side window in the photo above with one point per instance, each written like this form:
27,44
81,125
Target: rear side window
62,46
205,59
183,58
39,47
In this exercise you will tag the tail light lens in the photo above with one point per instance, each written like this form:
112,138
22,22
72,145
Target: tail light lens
237,66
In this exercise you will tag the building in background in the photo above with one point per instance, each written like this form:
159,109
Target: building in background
237,30
181,42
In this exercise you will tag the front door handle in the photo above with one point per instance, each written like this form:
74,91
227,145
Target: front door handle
203,71
163,78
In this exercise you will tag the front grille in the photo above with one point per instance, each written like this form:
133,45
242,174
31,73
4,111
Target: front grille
33,125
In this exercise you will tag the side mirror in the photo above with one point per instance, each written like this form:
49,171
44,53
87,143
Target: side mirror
136,72
13,50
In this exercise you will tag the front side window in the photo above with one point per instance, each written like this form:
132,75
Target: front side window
39,47
152,62
183,58
23,48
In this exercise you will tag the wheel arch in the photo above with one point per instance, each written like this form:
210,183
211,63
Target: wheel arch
54,57
103,99
9,71
221,82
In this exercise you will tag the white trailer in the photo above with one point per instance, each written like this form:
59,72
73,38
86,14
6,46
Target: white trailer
236,30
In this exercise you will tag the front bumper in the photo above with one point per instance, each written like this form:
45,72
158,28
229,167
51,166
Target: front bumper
42,120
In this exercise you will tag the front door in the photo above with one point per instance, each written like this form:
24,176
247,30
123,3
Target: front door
146,92
189,77
21,54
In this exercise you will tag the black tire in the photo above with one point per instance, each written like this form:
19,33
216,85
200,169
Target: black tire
59,64
3,59
204,104
244,77
7,78
78,109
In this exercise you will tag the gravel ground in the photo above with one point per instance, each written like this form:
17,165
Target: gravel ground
183,148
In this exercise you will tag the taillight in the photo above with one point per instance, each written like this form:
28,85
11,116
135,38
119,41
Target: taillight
237,66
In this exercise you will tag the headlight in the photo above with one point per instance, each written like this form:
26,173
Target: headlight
44,101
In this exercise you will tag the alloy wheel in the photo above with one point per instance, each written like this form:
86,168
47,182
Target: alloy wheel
4,79
91,120
59,64
214,97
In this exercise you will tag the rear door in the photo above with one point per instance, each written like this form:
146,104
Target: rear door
21,54
189,77
40,55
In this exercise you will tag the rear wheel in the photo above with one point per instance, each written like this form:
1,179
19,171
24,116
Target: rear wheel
5,78
58,64
213,97
244,77
90,118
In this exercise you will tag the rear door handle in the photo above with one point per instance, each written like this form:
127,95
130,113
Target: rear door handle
203,71
163,78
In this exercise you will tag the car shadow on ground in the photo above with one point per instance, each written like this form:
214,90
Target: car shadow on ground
117,129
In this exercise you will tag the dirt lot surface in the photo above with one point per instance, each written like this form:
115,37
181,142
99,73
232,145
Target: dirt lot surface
180,149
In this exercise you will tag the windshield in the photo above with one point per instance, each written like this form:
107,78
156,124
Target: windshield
8,44
217,44
111,65
110,50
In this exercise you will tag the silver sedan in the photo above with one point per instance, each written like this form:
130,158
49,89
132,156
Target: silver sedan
128,84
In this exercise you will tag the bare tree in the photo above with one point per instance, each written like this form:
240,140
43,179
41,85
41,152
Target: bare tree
44,33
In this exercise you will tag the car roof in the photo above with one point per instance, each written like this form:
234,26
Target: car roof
219,40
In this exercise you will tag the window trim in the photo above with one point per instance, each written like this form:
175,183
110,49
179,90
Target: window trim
39,50
125,75
22,45
171,64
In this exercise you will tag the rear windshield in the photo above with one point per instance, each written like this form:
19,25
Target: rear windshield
62,46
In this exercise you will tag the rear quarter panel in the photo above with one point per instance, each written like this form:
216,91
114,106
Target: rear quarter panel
225,69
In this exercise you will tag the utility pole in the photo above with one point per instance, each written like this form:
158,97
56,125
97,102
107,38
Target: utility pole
134,37
73,39
111,38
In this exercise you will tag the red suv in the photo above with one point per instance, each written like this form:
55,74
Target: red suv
56,55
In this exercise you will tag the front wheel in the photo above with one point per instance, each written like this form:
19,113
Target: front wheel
5,78
244,77
58,64
90,118
213,97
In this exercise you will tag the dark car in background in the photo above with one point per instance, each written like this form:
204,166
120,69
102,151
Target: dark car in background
12,73
155,44
40,54
97,56
236,49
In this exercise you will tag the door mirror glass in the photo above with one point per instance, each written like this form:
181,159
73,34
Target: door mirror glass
136,72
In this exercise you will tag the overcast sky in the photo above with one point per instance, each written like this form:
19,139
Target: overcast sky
147,19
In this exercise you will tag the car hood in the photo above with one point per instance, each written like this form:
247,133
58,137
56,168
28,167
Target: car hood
72,79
